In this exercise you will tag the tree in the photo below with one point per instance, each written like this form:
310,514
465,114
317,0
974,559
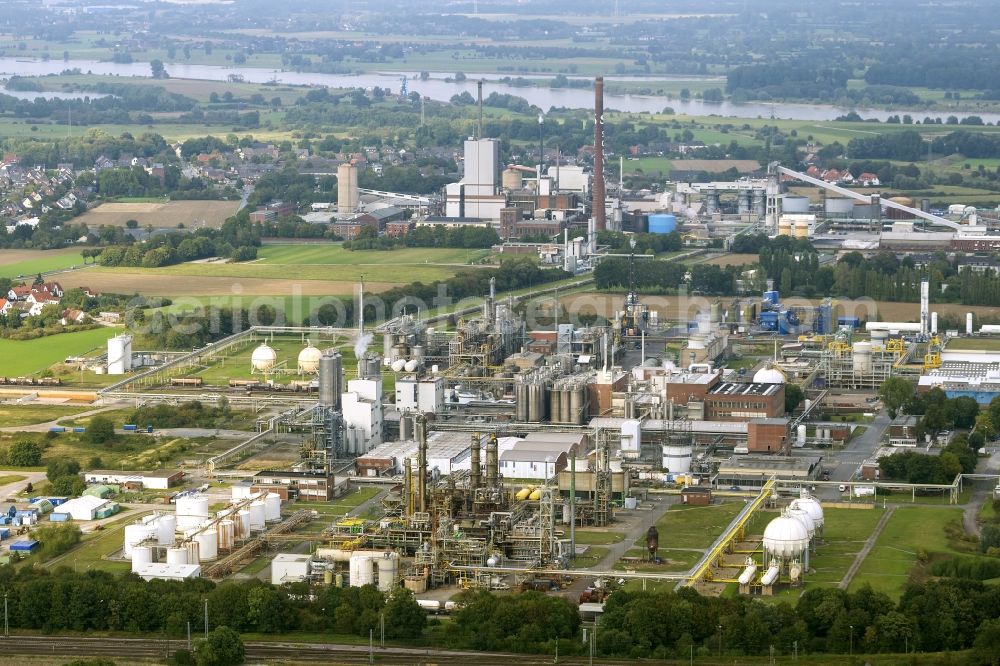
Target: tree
985,425
132,224
223,647
56,539
894,393
403,616
793,397
24,453
157,69
100,430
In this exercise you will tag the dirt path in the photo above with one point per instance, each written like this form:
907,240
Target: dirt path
44,427
971,512
863,553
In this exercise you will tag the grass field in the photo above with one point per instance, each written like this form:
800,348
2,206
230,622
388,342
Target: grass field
974,344
693,527
27,357
595,538
96,546
161,215
19,415
14,263
845,532
334,254
909,532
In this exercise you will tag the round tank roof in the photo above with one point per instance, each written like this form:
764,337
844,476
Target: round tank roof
803,517
785,536
264,357
769,376
309,359
812,506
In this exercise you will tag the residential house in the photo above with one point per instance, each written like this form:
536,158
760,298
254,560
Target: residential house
868,179
73,316
5,306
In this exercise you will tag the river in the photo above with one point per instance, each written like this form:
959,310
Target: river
439,89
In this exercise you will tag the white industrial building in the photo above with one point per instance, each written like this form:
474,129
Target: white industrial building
476,195
541,455
419,394
155,480
82,508
119,354
362,410
164,571
290,568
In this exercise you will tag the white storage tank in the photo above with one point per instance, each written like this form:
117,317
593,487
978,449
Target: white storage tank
309,360
166,526
677,459
136,534
388,571
263,358
227,534
208,545
243,524
861,355
785,538
811,505
258,515
141,556
177,555
192,511
362,569
272,507
801,434
193,554
803,517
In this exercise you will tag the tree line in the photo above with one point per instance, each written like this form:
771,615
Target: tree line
236,240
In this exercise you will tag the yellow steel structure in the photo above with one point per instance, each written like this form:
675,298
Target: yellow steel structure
735,532
932,359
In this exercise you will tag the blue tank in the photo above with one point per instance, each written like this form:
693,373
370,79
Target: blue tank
662,223
772,297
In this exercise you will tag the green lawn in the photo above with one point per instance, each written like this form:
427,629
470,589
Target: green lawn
694,526
330,254
338,507
11,478
974,344
18,415
909,532
12,263
95,547
591,557
26,357
595,538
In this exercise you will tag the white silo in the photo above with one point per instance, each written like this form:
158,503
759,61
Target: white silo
177,555
263,358
388,571
141,555
258,515
309,360
192,511
362,569
934,323
208,545
272,507
119,354
677,459
166,526
243,524
968,323
227,534
193,554
136,534
861,357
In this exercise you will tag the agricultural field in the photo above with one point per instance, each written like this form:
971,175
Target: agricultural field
733,260
161,215
28,357
330,254
29,263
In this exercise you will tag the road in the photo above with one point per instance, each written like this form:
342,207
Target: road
44,427
11,489
843,464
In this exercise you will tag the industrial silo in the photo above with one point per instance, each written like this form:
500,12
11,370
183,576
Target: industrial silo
555,413
677,458
839,207
330,378
662,223
791,203
861,354
566,404
577,399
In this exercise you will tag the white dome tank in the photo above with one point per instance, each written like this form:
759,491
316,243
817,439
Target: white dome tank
243,524
141,555
785,537
258,515
812,506
263,358
227,534
166,525
398,365
803,517
177,555
309,359
208,545
192,552
191,511
411,365
272,507
136,534
768,376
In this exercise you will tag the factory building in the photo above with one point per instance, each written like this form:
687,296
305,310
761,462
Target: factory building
310,486
730,401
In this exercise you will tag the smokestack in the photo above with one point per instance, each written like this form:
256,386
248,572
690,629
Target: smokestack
361,309
492,462
407,487
476,472
421,463
479,87
925,306
597,191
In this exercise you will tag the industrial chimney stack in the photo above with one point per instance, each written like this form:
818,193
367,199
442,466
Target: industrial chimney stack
597,191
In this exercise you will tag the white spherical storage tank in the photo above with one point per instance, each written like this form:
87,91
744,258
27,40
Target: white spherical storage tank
309,360
263,358
362,569
166,525
141,555
227,534
208,545
768,376
785,538
272,507
243,524
192,511
192,552
136,534
177,555
258,515
812,506
803,517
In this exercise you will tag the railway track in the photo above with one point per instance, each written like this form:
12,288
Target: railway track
154,648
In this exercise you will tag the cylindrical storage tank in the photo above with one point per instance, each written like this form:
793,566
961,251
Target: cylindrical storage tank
576,406
566,405
227,534
388,571
141,555
512,179
784,227
677,459
177,555
411,365
801,229
193,553
208,545
272,507
555,413
801,435
166,526
191,511
398,365
135,535
243,524
362,572
839,207
258,515
785,538
662,223
968,323
934,323
791,203
896,214
418,354
862,356
536,495
330,379
521,400
533,415
864,211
